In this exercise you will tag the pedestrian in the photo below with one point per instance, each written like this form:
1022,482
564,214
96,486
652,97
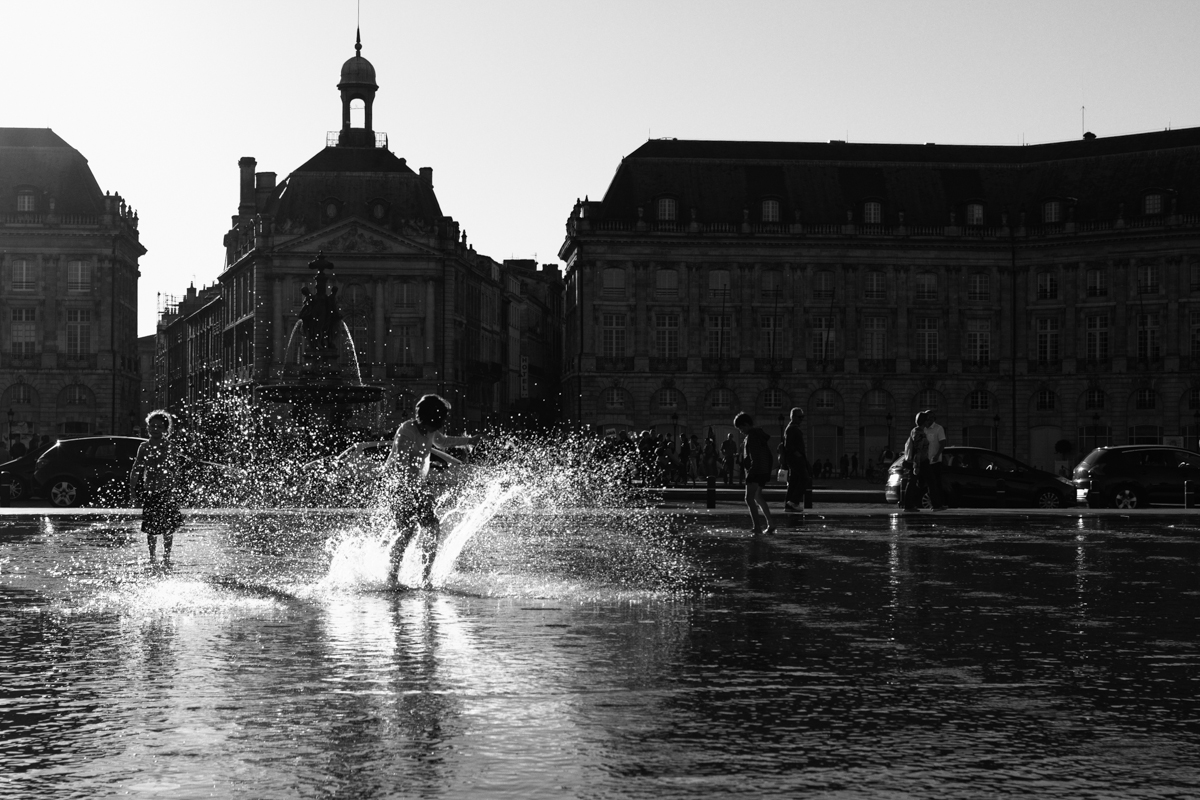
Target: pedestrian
728,455
854,465
409,463
912,471
709,459
796,461
936,436
844,466
886,457
694,464
756,462
17,448
685,460
154,483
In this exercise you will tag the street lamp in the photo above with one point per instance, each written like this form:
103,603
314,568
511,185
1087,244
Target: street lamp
675,428
889,424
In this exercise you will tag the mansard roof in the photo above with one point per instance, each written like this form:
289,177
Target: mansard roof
39,159
820,182
355,177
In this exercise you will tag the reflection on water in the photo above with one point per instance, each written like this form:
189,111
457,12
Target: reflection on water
869,658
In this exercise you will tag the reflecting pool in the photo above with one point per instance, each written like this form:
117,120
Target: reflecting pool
1054,656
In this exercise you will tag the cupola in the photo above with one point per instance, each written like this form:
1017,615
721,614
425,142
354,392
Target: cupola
357,83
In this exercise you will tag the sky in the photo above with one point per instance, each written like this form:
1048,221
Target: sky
522,107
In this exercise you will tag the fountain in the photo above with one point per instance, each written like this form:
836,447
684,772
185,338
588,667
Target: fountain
320,367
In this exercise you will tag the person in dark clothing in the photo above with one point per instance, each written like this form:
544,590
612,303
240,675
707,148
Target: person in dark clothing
154,482
685,458
728,457
17,448
756,462
913,470
796,462
854,465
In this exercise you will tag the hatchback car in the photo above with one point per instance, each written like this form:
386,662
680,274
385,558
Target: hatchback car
974,476
16,477
92,469
1136,475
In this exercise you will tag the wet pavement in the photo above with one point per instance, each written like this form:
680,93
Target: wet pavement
658,652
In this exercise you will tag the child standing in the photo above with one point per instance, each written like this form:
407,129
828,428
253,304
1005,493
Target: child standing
756,461
154,480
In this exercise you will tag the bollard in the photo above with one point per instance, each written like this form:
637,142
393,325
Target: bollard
710,494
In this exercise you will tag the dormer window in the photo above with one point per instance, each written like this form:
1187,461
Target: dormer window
974,213
26,200
1052,211
872,212
770,211
1152,204
666,209
379,209
332,207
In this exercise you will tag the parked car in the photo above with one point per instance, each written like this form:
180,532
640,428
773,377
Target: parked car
16,476
91,469
974,476
350,476
1136,475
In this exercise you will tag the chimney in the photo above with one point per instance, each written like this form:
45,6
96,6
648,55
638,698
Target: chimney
427,176
246,193
264,186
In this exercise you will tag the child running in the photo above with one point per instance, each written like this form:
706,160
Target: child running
409,463
154,480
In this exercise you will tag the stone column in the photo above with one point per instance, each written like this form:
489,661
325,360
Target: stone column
429,321
380,333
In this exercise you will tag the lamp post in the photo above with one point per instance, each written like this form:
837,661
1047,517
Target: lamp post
674,429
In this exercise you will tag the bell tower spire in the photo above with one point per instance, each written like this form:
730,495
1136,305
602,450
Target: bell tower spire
357,83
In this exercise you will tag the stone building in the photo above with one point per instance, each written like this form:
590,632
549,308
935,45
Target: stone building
425,312
1034,296
68,293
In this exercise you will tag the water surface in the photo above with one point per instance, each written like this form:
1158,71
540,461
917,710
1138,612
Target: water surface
582,657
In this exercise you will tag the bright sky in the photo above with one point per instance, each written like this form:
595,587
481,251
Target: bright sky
521,107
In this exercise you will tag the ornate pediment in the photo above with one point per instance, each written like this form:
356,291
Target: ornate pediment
356,237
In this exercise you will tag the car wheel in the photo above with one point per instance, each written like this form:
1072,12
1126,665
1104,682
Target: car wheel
65,492
1048,498
926,501
17,490
1127,497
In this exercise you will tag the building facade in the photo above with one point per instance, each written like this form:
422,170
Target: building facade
69,255
424,310
1043,299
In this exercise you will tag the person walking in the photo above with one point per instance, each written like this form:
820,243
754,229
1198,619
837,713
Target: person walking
17,448
796,462
912,471
935,434
154,482
756,462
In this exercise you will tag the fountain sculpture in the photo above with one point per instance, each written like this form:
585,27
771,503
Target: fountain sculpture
320,367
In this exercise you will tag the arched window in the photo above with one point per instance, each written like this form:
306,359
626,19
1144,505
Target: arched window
974,214
1093,400
1052,211
1045,400
773,398
667,209
1193,400
26,200
872,212
1145,400
77,395
722,399
666,283
614,398
770,211
718,284
613,282
1152,204
927,398
825,400
21,394
979,400
877,401
668,398
358,113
